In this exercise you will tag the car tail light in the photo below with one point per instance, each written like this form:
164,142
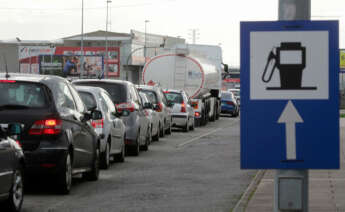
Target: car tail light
7,81
46,127
166,91
197,114
160,107
183,108
229,103
19,144
125,106
97,123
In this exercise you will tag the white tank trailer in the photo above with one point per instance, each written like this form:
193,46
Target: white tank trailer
195,69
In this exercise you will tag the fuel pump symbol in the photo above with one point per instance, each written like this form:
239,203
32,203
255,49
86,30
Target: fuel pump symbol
290,60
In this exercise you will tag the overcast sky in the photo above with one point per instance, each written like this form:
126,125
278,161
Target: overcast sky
217,21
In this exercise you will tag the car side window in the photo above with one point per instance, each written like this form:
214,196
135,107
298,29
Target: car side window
63,97
79,102
108,102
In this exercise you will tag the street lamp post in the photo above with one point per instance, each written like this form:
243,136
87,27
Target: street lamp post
145,47
106,43
82,40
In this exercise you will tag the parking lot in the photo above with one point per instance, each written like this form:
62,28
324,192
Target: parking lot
195,171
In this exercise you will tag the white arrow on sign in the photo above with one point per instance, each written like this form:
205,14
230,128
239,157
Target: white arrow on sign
290,117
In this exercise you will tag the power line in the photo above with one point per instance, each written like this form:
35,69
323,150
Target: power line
86,8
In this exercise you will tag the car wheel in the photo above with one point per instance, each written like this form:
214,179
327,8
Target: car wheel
65,176
156,137
121,157
16,197
105,157
94,173
168,131
136,148
162,131
192,126
147,140
186,128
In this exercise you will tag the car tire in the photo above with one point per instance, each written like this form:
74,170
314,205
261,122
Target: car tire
64,178
121,157
192,126
168,131
156,137
93,175
15,199
136,148
105,157
162,132
186,128
147,140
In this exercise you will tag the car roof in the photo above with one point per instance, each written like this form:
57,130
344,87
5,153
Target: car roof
103,81
30,77
89,89
174,90
149,87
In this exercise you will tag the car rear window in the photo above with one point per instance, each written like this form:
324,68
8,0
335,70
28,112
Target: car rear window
226,95
117,91
174,97
151,95
88,99
27,94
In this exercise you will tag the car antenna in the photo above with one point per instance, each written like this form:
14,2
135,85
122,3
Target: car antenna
6,69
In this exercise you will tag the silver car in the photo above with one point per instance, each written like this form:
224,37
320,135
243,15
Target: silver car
151,114
161,106
110,128
182,111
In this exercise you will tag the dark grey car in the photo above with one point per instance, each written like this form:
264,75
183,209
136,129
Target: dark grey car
11,173
125,96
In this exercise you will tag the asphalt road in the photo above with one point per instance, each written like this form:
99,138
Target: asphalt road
195,171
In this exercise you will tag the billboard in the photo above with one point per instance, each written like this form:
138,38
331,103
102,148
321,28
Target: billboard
46,59
70,66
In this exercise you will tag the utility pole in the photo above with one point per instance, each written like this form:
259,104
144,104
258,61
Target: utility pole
292,182
194,35
145,48
82,40
106,43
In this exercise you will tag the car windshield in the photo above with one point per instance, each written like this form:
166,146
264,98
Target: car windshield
117,91
150,95
174,97
227,95
235,92
22,95
88,99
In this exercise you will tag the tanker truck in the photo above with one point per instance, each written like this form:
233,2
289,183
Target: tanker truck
196,69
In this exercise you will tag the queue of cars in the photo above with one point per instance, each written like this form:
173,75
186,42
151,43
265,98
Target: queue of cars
60,128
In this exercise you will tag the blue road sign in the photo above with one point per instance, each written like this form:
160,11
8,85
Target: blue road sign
290,95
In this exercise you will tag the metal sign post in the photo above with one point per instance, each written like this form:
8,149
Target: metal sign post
291,187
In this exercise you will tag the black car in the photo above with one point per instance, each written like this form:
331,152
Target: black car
125,96
57,138
11,172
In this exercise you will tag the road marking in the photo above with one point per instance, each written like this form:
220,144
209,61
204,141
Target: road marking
206,134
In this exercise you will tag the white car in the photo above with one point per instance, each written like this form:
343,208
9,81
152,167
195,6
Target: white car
182,112
110,128
237,95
